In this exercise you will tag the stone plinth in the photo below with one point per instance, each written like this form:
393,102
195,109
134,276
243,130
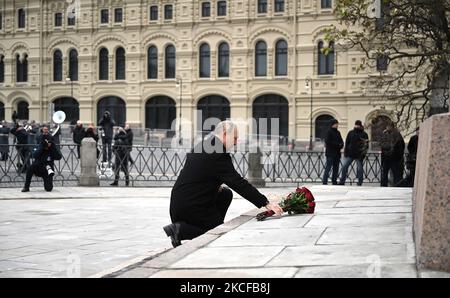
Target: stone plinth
431,194
88,175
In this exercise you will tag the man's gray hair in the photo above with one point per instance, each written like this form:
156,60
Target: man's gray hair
225,126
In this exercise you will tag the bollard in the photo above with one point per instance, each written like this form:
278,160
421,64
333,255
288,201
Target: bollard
88,175
255,168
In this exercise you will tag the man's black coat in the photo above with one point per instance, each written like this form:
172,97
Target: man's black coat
194,193
333,143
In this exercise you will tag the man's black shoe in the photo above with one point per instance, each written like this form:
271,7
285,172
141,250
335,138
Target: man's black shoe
114,184
25,189
173,231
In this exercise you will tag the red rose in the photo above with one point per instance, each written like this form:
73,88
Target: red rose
289,197
309,197
312,204
310,210
299,190
305,190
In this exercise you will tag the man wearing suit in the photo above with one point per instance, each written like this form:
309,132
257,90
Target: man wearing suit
199,202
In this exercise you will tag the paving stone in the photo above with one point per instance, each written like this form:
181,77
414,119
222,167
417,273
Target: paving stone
229,257
374,203
272,272
357,220
358,271
276,222
359,235
364,210
434,274
355,254
282,237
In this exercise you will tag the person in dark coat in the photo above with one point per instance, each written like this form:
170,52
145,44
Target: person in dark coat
411,159
78,134
130,136
392,155
121,151
90,133
356,145
22,147
107,124
333,145
4,140
45,153
14,117
198,201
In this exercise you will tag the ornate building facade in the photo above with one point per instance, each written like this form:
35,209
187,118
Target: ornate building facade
150,61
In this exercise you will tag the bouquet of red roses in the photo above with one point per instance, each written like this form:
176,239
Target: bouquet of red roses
298,202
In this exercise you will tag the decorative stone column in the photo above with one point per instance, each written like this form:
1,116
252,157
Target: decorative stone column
255,168
88,175
431,195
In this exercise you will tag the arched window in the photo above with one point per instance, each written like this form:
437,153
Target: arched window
73,65
281,58
22,68
69,106
326,61
57,66
170,62
103,65
116,106
2,69
22,110
2,111
271,106
21,18
213,106
152,64
224,60
205,61
120,64
160,112
322,124
261,59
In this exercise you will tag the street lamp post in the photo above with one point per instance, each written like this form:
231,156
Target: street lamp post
180,85
309,86
68,79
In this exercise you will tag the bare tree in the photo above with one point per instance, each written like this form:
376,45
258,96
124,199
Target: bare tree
409,43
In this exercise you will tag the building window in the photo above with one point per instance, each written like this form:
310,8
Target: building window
168,12
22,68
281,58
279,5
326,61
120,64
382,63
224,60
153,13
206,9
222,8
118,15
266,108
160,112
152,66
213,106
22,110
326,3
261,59
73,65
2,69
1,20
205,61
104,16
103,65
262,6
322,125
71,18
21,18
57,66
170,56
58,19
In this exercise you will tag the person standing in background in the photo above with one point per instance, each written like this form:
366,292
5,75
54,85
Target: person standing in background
130,136
333,143
4,140
107,124
78,134
392,152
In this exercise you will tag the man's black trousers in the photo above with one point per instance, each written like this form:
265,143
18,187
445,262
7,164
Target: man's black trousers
39,170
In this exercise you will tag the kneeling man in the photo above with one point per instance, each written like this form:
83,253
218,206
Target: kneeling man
199,202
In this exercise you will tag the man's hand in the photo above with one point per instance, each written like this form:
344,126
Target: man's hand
275,208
